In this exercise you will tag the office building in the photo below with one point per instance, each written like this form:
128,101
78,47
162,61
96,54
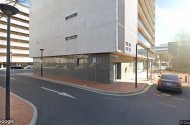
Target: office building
91,39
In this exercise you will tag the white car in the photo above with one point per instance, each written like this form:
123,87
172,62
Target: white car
29,67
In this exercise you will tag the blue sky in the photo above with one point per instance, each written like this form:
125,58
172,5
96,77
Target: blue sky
25,2
172,16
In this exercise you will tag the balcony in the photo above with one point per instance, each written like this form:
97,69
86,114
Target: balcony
4,23
15,36
15,44
142,25
22,17
141,14
143,9
16,58
145,41
150,10
15,31
15,51
16,22
22,8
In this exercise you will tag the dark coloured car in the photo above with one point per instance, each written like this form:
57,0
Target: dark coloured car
169,82
17,67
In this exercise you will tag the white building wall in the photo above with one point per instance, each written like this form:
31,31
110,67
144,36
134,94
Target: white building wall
131,21
95,26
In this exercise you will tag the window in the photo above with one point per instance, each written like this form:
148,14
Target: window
128,47
71,16
71,37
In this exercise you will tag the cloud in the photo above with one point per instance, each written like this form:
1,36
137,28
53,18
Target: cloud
170,22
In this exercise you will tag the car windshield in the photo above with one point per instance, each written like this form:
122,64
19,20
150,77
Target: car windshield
170,77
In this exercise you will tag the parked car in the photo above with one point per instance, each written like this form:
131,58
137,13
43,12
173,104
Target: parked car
29,67
17,67
169,82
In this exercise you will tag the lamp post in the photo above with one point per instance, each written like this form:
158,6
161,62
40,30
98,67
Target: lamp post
160,64
147,63
136,65
41,62
8,11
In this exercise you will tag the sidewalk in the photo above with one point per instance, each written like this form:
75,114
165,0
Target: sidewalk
21,112
122,87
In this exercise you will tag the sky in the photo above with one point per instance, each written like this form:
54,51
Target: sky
172,17
25,2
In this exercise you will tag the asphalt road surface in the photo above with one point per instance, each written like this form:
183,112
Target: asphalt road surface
63,105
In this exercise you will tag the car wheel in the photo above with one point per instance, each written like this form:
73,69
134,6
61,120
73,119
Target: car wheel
180,92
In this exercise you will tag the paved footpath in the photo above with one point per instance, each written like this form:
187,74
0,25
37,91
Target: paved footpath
21,112
118,87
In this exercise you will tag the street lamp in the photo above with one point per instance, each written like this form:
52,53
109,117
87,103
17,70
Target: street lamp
41,62
136,65
147,66
160,63
8,11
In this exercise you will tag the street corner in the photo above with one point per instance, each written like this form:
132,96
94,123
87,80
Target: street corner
22,111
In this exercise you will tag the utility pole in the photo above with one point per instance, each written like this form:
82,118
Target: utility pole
41,62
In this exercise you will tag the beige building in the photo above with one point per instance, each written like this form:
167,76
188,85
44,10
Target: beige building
19,37
91,39
146,24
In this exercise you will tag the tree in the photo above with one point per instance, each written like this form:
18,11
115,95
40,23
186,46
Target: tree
181,60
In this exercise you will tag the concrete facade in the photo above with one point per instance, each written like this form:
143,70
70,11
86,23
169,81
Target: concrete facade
74,30
19,37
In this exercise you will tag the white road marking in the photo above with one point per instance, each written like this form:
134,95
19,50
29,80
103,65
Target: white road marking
59,93
168,95
164,94
165,104
179,99
12,78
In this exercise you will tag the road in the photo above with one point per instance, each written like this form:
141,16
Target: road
58,104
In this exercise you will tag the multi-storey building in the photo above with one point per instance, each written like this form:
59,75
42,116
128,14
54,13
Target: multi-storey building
19,37
91,39
163,59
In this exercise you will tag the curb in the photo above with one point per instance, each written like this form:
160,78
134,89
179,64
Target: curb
144,89
35,113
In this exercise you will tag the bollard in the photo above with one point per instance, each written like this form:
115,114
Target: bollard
185,79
